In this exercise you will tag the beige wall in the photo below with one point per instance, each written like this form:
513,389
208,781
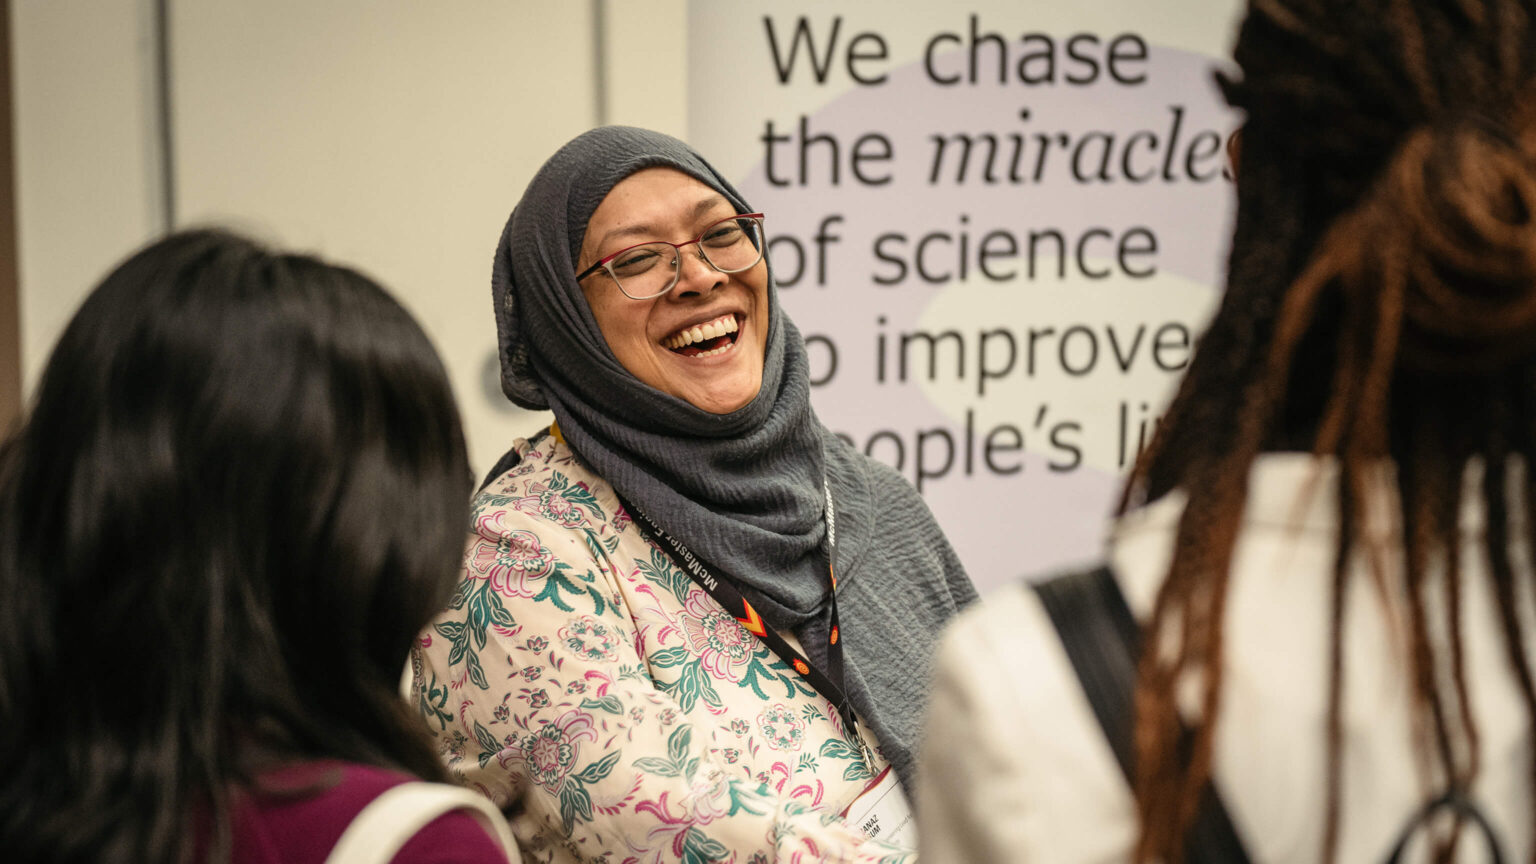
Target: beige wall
389,134
86,178
10,323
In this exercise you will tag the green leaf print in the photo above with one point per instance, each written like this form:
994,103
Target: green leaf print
594,545
484,609
499,614
753,801
658,766
699,848
676,763
575,804
839,749
579,495
489,746
756,670
432,701
611,704
480,615
677,744
857,771
557,582
476,674
661,571
599,769
669,657
835,748
710,696
598,603
491,502
690,685
460,645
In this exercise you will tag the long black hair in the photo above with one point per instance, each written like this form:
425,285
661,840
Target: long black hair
239,495
1381,303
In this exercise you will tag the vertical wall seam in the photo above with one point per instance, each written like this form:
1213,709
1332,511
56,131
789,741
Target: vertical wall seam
10,240
600,60
164,117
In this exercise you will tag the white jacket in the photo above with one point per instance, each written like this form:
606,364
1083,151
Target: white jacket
1015,767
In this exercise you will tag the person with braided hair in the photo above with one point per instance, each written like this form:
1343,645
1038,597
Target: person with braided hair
1326,552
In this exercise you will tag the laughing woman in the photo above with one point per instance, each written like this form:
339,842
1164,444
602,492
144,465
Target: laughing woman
647,657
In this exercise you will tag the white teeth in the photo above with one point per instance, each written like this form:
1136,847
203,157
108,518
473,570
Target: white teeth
702,332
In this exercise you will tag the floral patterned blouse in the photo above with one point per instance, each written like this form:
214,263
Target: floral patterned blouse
612,707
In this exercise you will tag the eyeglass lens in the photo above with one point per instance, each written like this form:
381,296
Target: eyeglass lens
650,269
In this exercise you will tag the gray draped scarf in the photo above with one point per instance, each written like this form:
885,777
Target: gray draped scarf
744,489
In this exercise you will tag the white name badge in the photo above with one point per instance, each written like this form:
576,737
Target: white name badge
881,812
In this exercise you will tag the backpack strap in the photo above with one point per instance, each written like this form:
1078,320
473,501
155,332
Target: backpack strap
1457,804
392,819
1103,643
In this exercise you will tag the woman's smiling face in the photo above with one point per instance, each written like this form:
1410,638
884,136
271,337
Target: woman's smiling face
719,369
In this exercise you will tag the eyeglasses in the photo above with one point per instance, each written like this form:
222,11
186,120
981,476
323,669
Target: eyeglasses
651,269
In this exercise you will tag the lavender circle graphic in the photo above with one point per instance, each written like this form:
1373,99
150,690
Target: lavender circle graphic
1000,284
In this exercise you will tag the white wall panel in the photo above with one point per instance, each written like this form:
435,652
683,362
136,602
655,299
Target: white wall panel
395,136
87,176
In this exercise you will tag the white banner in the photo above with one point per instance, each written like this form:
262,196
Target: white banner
999,226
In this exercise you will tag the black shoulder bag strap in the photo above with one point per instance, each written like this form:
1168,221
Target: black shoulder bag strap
1457,804
1103,641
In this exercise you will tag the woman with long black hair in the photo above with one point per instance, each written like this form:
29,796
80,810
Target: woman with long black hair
238,496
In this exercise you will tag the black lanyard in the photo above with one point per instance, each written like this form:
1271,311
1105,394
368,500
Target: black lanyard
828,682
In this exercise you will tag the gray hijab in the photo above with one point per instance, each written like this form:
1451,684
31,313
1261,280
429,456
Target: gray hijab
744,490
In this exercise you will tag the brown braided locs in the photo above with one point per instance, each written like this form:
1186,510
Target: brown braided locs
1381,311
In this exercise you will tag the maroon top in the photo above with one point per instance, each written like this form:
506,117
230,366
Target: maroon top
279,826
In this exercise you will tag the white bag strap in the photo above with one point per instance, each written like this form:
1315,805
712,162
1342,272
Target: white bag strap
392,819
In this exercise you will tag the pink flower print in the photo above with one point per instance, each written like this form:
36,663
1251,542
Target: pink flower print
502,712
532,673
590,639
723,645
512,561
782,729
552,506
731,755
537,644
576,687
539,699
558,508
637,714
711,797
667,717
740,726
549,756
550,752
